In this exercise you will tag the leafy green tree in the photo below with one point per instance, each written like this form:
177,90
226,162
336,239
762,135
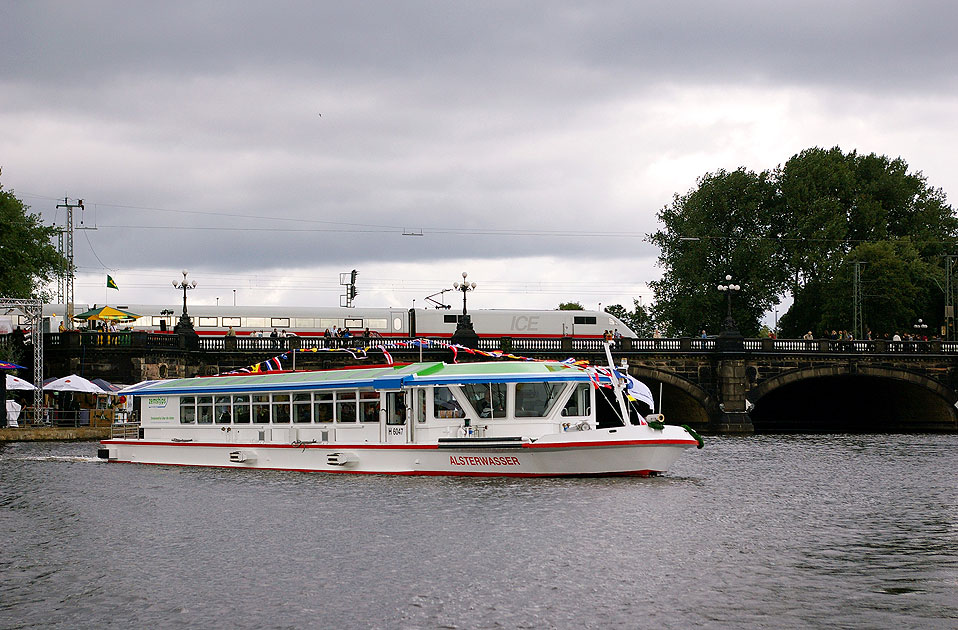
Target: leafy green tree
28,259
638,319
837,208
570,306
720,228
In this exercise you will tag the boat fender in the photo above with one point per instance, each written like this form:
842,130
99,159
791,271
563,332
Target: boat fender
696,436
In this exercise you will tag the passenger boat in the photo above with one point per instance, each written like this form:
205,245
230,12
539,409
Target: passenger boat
519,419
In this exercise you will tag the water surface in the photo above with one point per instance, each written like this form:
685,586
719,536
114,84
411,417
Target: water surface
833,531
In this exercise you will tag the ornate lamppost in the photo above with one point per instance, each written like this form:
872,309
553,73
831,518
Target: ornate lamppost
921,329
465,334
730,327
184,325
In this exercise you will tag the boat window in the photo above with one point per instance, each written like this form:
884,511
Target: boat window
487,399
204,410
444,405
578,403
536,400
369,406
281,411
323,407
261,408
231,321
241,409
396,408
346,407
421,405
187,410
221,411
301,408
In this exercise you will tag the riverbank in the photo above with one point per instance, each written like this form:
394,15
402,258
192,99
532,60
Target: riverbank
43,434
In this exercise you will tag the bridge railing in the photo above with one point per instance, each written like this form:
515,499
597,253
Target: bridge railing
514,345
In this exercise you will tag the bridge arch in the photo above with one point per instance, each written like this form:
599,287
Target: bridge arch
852,397
682,401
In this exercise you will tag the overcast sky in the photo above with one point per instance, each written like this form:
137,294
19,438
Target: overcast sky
267,147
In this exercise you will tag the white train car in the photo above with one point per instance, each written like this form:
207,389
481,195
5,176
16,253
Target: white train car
382,322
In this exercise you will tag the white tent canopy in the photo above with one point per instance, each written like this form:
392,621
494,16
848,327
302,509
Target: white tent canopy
73,383
18,383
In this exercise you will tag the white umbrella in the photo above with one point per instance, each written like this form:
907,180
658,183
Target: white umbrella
18,383
73,383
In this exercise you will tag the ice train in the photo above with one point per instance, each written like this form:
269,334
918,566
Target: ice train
383,322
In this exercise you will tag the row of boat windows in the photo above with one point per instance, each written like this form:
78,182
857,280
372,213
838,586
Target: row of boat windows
356,406
320,323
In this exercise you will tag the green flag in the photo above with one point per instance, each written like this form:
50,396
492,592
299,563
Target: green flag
110,284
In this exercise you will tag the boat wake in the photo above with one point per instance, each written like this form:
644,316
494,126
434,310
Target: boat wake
54,458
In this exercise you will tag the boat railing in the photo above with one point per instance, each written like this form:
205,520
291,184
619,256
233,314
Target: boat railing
125,430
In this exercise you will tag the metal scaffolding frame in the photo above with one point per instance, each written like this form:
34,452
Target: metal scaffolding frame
32,309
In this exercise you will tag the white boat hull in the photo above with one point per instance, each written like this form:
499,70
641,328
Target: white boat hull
623,451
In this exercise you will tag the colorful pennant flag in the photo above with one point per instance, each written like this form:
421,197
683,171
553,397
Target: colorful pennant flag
110,284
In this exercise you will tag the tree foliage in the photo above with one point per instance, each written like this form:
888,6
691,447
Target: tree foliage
716,230
797,231
570,306
28,259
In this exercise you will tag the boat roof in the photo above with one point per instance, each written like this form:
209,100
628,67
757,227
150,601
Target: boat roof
396,377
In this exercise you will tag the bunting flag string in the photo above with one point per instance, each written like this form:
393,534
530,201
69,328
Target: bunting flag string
599,376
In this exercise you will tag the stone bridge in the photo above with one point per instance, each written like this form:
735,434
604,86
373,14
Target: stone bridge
715,385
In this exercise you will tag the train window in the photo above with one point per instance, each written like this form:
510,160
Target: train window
584,320
353,323
397,323
209,321
255,322
450,319
142,322
303,322
328,323
231,321
376,324
279,322
157,321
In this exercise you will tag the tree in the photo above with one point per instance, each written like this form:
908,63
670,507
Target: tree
838,208
638,319
720,228
28,259
570,306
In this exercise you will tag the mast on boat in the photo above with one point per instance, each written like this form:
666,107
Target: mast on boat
617,385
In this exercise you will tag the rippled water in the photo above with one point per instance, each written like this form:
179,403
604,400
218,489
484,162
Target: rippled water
831,531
